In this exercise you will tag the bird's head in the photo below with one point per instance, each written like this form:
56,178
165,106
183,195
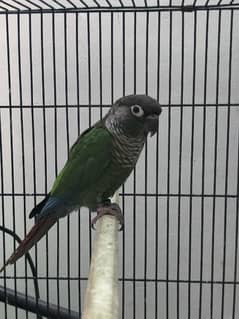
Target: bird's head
134,115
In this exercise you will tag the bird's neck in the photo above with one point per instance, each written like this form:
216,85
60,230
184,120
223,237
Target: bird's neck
120,129
126,147
114,127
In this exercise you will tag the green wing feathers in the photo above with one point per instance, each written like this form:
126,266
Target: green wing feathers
88,159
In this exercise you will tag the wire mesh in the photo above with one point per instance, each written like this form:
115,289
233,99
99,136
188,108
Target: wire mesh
38,6
63,63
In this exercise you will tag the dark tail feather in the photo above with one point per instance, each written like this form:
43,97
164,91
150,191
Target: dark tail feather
34,235
38,208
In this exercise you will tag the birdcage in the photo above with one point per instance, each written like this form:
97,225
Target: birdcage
63,63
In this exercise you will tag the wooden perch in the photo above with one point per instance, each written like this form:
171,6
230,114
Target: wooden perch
101,299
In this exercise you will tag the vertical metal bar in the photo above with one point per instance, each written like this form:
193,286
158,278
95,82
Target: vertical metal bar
146,173
100,63
33,130
168,165
157,175
192,166
123,188
203,164
180,168
11,150
112,55
53,32
78,128
3,219
44,139
54,88
135,54
215,165
227,164
22,140
236,240
89,98
134,180
68,148
116,196
77,71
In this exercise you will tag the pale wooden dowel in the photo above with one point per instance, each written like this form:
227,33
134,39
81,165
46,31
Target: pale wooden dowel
101,298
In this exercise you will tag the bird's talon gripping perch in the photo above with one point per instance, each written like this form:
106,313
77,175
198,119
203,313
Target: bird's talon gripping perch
111,209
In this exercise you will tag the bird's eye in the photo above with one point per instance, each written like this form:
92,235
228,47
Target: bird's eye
137,110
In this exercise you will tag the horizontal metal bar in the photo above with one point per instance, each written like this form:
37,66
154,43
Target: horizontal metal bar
129,279
181,195
27,106
139,195
18,299
185,8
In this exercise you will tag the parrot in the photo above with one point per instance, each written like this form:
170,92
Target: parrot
99,162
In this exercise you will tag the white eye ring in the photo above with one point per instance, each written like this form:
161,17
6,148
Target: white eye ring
137,110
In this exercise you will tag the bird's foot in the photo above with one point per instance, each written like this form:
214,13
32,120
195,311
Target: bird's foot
109,209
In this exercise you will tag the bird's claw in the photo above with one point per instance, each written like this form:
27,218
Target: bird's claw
110,209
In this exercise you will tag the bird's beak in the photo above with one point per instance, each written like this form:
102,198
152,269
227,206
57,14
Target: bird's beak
152,124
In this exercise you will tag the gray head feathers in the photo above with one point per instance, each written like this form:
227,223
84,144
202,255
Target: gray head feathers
134,115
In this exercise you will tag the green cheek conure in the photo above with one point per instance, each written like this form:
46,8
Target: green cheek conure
99,163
